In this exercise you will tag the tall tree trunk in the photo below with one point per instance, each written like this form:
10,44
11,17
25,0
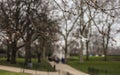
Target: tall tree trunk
66,50
87,52
43,53
8,52
39,57
27,52
81,29
104,49
81,51
38,53
107,42
13,52
105,55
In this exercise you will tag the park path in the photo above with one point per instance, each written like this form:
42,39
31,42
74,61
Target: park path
31,72
67,69
62,69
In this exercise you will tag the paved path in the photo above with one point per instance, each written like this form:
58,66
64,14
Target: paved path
31,72
62,69
67,68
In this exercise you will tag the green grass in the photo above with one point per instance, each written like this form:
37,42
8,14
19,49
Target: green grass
2,72
42,66
95,62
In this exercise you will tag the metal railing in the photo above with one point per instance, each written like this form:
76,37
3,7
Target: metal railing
94,71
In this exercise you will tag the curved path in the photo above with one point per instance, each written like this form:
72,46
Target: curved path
62,69
68,69
31,72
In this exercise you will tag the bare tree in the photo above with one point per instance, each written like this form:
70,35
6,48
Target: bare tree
92,8
26,20
68,22
10,15
105,25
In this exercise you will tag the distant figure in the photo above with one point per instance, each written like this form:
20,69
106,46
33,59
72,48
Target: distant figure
63,60
56,59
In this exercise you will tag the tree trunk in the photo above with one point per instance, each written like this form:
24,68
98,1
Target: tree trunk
105,54
27,52
38,48
43,53
81,52
81,29
66,52
8,52
39,57
87,52
104,49
13,52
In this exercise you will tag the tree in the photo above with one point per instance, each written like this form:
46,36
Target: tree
43,26
90,9
68,21
106,34
10,19
106,25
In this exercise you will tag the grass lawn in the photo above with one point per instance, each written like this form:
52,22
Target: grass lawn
97,63
2,72
43,66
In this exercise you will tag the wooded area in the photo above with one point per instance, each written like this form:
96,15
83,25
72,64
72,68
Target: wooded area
33,27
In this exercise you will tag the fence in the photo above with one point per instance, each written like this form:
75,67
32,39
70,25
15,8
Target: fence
94,71
37,72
